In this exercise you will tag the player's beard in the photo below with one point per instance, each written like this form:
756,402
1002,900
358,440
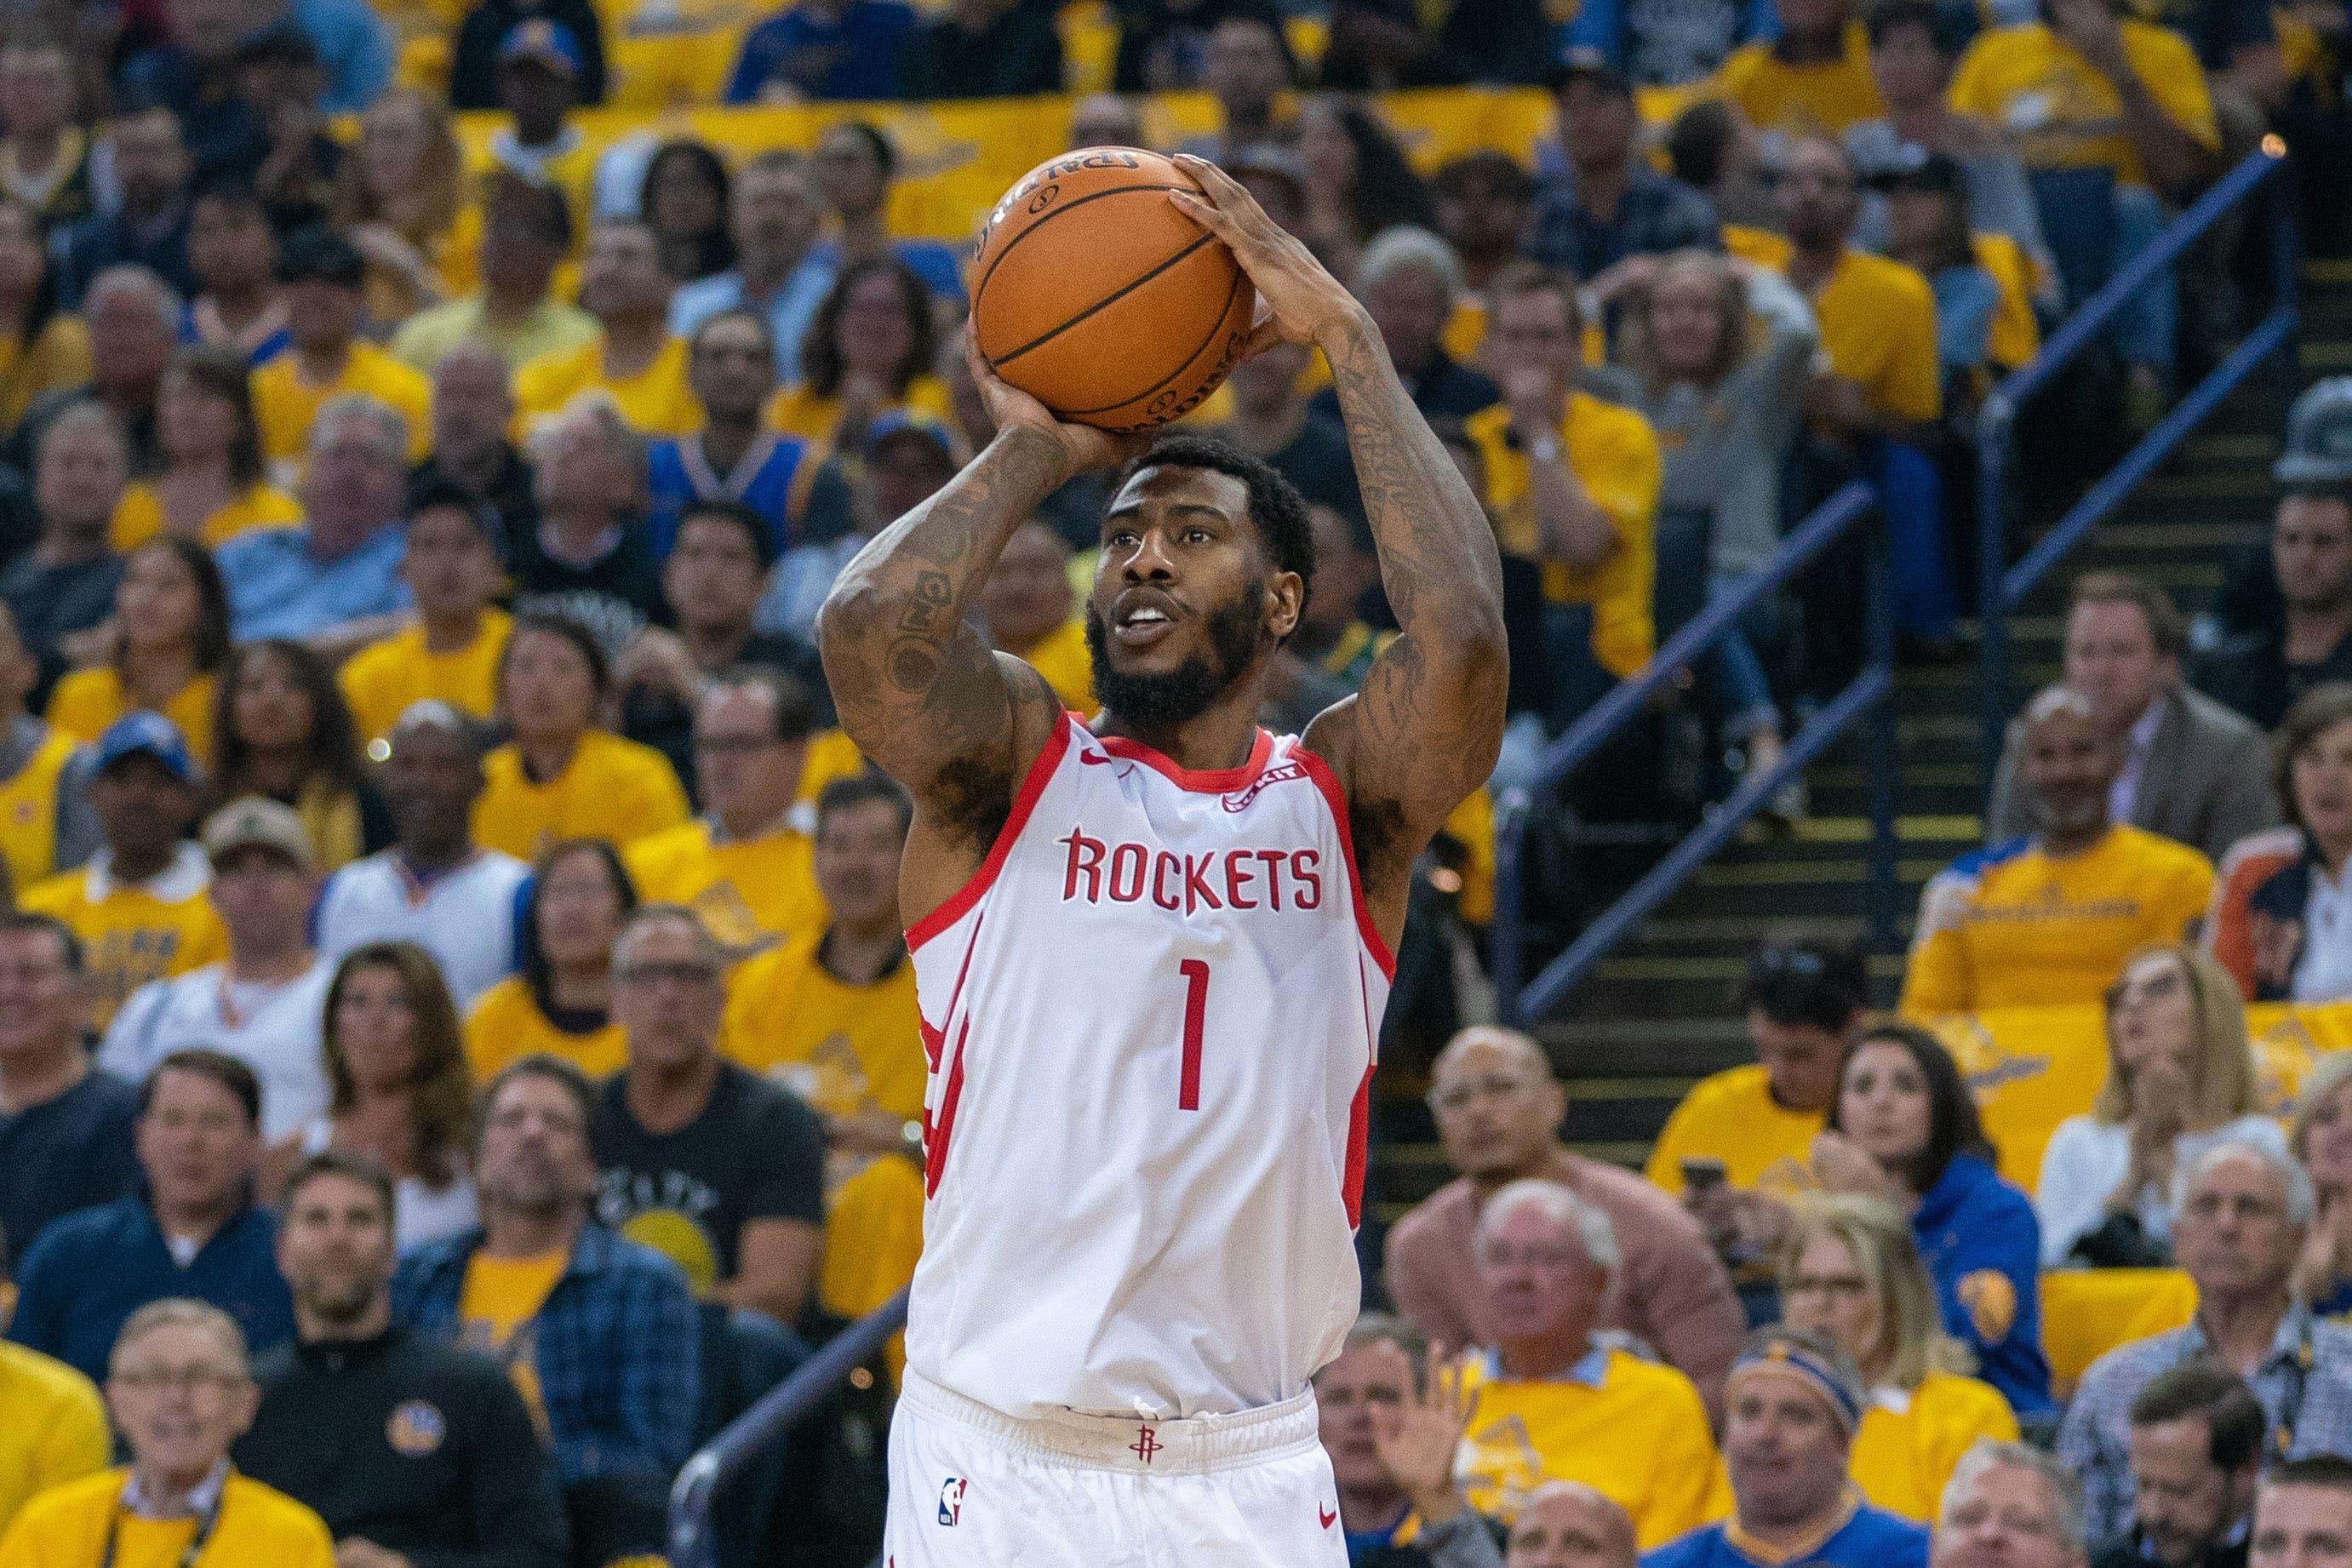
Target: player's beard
1163,701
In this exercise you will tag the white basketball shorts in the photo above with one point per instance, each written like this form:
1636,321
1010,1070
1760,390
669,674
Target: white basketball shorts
971,1488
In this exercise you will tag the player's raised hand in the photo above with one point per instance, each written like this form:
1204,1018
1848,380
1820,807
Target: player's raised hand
1419,1438
1010,407
1304,304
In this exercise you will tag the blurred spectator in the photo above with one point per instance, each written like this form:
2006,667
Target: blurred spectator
1271,419
2273,921
49,347
1665,46
354,48
854,166
1246,65
57,1431
322,278
559,1002
2321,1139
192,1229
1850,1274
683,201
472,412
170,637
732,459
907,457
194,74
64,1127
2009,1506
1391,1425
1498,1110
634,360
1979,327
338,574
1606,204
1903,1128
140,907
540,72
1331,636
1384,44
45,156
820,49
1411,283
37,805
178,1388
514,316
722,1171
1567,1524
566,33
562,775
449,654
134,324
868,353
985,48
150,166
2180,1079
214,485
2193,771
281,80
66,582
2302,1511
1359,183
435,887
410,1451
1031,612
590,555
284,734
1555,1400
1791,1407
599,1333
1812,80
264,1003
2239,1225
773,213
2262,672
233,250
2048,919
743,865
1711,148
2195,1449
1483,200
397,199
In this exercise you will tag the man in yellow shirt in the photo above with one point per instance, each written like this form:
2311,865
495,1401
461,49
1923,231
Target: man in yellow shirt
634,359
2049,920
1813,81
56,1431
1573,484
1027,604
526,233
324,283
450,654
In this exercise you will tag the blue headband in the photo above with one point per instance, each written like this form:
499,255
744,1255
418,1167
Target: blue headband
1788,1355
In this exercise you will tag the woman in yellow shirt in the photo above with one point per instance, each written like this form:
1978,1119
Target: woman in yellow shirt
282,730
870,347
42,349
1850,1273
573,907
397,198
212,486
562,775
170,638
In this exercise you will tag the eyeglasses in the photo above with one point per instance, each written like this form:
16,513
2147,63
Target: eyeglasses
1494,1085
186,1379
687,975
1837,1287
734,745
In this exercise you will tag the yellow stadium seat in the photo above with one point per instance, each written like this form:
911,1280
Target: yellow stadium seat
2087,1312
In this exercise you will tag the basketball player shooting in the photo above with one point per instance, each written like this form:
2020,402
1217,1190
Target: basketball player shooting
1152,951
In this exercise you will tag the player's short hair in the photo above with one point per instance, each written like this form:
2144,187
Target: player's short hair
181,1312
1275,508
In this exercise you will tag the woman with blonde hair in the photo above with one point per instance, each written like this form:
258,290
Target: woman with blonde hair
2321,1139
398,199
2181,1079
1850,1273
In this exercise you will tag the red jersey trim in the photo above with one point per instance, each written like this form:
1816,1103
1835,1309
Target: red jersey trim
1329,783
1204,781
959,902
936,1134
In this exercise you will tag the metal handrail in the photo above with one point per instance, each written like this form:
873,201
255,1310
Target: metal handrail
2003,587
695,1491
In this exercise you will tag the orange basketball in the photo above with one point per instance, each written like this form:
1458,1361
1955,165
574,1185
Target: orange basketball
1094,295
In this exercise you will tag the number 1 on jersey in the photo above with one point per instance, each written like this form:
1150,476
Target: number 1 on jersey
1195,971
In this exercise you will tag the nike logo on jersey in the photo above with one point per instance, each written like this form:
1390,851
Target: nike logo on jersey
1325,1514
1128,872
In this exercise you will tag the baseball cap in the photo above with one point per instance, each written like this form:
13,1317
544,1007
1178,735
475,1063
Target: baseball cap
1589,65
908,421
2318,437
253,822
316,254
551,43
152,735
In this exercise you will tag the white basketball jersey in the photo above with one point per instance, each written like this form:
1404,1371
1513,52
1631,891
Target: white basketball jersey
1151,1018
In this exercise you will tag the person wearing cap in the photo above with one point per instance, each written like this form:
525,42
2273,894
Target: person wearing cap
539,72
514,316
141,906
1607,204
1984,318
435,887
490,39
1813,79
635,360
323,278
450,559
264,1002
1791,1408
909,456
2309,639
731,369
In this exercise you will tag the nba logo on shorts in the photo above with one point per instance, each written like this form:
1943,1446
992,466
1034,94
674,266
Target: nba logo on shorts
951,1500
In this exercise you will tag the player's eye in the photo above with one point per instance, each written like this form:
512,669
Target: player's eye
1197,536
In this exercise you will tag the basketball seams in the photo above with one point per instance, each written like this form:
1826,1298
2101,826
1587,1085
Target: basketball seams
1043,218
1107,300
1215,327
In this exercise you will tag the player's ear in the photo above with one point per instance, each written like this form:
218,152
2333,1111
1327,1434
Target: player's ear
1286,597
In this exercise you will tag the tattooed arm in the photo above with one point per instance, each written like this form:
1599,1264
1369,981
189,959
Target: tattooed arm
1423,732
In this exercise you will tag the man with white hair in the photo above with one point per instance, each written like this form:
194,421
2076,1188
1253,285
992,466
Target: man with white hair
338,574
589,556
135,326
2009,1505
1557,1401
1410,282
2240,1215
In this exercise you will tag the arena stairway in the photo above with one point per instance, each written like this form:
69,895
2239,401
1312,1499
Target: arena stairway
1658,1014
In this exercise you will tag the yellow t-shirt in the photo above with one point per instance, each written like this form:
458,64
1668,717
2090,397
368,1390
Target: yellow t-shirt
56,1431
1760,247
1820,100
750,893
66,1527
139,516
2014,334
873,1237
2010,927
1906,1448
87,701
1732,1116
1062,657
285,401
384,680
133,935
506,1024
613,789
2062,114
657,400
797,411
1878,327
842,1048
57,361
497,1313
832,754
29,813
1613,453
1631,1429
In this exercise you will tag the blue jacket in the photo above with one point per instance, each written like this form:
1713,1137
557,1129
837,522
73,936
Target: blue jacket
1983,1247
1869,1538
91,1270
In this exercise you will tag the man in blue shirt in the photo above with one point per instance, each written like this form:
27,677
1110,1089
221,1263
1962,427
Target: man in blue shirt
773,214
1791,1407
824,49
731,368
339,572
1607,204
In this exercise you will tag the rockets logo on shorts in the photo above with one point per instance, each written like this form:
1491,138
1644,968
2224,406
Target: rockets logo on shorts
951,1500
